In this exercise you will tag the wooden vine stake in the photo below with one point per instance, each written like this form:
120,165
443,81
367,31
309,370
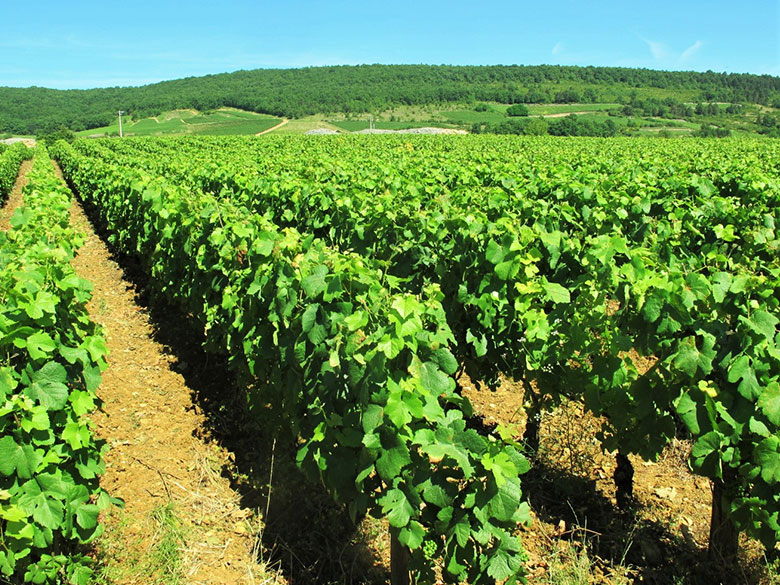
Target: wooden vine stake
624,481
724,536
399,562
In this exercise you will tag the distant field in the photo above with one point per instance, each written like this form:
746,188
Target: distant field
497,112
675,123
472,117
355,125
219,122
303,125
544,109
656,129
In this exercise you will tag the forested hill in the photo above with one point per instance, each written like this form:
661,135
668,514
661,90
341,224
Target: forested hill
364,88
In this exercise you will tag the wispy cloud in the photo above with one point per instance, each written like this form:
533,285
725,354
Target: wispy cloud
558,48
659,50
665,55
690,51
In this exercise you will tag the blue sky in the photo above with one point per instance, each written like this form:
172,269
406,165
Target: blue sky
81,44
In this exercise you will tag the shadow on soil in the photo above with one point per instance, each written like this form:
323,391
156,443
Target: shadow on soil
644,551
306,536
309,537
312,540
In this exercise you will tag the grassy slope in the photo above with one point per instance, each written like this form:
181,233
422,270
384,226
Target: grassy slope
545,109
219,122
225,121
303,125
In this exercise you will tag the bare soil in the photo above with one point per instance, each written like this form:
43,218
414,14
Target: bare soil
158,456
272,128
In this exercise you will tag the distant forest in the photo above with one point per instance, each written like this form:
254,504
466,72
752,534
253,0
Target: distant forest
366,88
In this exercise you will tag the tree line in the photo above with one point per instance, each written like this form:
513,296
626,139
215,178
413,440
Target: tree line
571,125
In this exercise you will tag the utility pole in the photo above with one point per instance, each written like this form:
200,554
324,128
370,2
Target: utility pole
120,123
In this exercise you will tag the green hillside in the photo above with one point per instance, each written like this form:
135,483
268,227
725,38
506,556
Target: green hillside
295,93
225,121
556,119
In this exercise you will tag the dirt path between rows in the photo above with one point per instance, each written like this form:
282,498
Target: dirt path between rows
182,522
15,196
272,128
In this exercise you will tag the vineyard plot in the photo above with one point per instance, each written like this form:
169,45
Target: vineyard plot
351,281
